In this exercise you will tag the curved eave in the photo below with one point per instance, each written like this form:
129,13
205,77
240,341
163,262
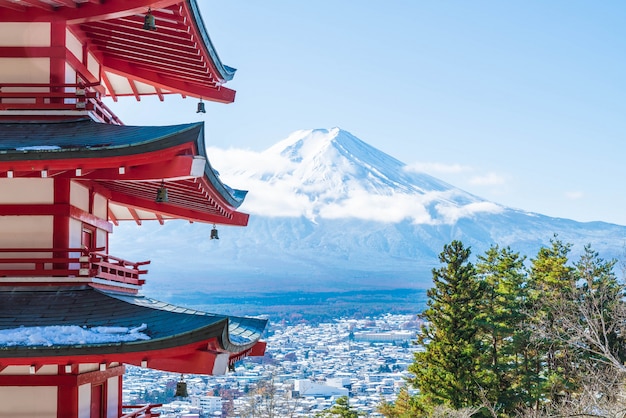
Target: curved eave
181,58
181,339
128,164
212,337
177,58
226,73
233,197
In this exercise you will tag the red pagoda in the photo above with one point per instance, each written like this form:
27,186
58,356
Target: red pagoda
71,315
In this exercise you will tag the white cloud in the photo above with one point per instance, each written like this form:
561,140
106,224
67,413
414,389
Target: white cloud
276,189
238,161
381,208
490,179
451,214
574,195
274,199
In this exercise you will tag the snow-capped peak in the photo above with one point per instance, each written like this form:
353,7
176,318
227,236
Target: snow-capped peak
303,143
320,155
330,173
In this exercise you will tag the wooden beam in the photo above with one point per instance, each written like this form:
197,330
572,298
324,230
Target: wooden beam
168,210
133,87
88,218
67,3
13,6
109,86
113,218
32,51
38,4
135,215
88,11
199,89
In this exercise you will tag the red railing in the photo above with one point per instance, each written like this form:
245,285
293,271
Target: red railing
37,96
69,262
141,411
117,269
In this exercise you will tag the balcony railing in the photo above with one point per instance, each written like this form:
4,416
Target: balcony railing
141,411
116,269
70,263
67,97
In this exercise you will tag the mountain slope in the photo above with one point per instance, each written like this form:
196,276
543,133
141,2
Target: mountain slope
332,174
330,212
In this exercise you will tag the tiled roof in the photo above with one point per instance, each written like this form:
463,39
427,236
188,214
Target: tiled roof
37,140
83,141
167,325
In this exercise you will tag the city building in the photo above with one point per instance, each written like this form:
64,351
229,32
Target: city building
327,389
71,312
208,404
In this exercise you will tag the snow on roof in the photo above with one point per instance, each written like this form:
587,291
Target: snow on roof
69,335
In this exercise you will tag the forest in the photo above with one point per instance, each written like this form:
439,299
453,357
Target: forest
508,336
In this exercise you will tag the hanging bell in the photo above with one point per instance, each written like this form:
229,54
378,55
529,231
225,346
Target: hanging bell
161,196
148,21
201,108
214,233
181,389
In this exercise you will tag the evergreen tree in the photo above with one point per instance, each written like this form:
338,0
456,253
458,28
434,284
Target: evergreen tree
552,284
341,409
503,340
589,331
403,407
447,371
502,317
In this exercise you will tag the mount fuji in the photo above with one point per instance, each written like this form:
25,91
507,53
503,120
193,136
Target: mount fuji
331,213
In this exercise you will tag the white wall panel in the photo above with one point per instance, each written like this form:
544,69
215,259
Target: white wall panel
25,34
73,44
100,207
84,401
79,196
93,66
26,190
38,401
101,239
113,396
24,370
88,367
26,231
76,233
24,70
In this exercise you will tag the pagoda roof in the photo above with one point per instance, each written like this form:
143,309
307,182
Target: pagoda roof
178,57
128,164
172,330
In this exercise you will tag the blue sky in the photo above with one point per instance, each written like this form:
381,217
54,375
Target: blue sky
521,103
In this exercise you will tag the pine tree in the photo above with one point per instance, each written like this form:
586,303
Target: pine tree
589,332
341,409
552,283
502,317
447,371
403,407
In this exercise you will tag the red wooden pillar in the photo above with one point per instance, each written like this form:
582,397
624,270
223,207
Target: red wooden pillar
61,222
57,61
67,397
